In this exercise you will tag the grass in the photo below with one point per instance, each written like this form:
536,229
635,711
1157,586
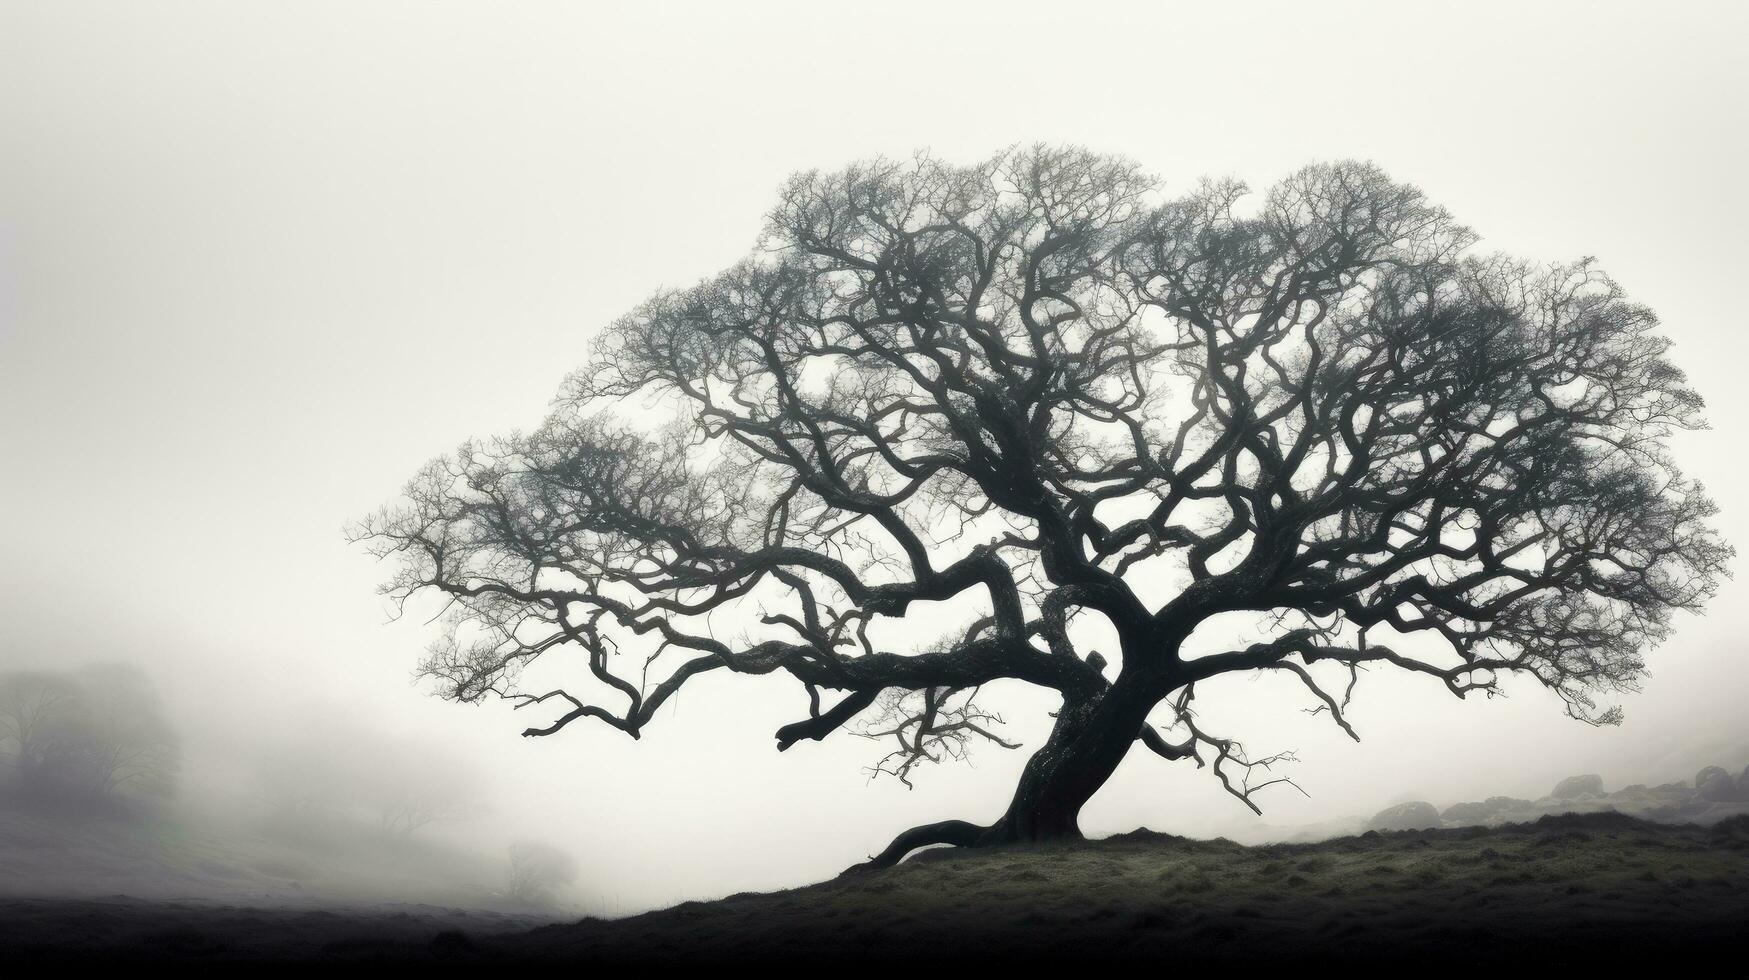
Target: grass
1580,888
1577,890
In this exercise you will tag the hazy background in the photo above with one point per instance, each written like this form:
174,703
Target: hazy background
260,261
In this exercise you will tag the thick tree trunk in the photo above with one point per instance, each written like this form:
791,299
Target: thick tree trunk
1090,739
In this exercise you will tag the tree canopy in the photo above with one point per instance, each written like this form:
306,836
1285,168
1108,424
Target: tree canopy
1039,380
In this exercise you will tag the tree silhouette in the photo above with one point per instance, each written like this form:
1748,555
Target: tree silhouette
1034,382
99,731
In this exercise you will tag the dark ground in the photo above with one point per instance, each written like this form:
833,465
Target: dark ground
1593,890
133,929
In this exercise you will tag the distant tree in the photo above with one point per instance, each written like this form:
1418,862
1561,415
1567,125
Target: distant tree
125,738
29,701
1035,382
421,792
341,771
100,731
538,871
308,777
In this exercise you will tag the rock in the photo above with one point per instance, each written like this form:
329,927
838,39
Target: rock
1465,814
1419,815
1592,805
1715,785
1487,811
1578,787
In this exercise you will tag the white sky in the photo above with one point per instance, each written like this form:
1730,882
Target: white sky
260,261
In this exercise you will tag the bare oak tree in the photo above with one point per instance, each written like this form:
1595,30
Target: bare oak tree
1035,382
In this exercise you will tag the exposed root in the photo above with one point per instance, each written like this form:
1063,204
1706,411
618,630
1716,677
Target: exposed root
959,833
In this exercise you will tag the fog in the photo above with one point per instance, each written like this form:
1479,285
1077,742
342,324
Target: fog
259,262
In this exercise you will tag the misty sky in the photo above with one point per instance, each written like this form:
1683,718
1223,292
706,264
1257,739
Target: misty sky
258,262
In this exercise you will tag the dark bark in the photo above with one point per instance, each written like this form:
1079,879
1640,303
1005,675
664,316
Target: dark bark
955,832
1090,739
1092,736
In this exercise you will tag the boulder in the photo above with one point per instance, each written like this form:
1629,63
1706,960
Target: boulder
1578,787
1715,785
1488,811
1673,792
1467,814
1419,815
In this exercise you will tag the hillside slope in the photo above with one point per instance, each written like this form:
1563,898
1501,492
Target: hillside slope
167,855
158,884
1590,890
1593,888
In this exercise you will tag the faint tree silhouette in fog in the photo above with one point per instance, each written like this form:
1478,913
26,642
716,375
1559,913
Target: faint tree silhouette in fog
1036,383
29,702
338,772
538,871
129,738
424,793
96,732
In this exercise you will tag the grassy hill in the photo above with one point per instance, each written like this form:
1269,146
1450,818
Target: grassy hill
1598,889
1579,889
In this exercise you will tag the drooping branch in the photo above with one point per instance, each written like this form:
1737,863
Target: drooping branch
934,724
821,724
1227,758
